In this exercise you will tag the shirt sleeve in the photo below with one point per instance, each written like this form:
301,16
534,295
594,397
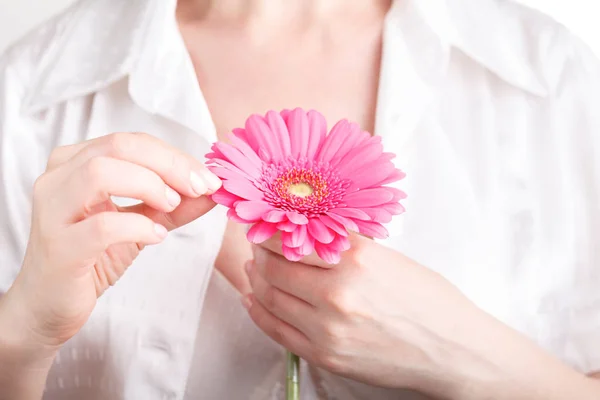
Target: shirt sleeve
576,105
15,203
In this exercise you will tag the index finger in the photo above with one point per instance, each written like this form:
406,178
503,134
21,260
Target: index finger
179,170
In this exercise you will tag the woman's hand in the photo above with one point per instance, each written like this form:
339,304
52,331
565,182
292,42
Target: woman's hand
381,318
81,243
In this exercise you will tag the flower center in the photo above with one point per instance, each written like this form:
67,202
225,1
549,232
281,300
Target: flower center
307,187
300,189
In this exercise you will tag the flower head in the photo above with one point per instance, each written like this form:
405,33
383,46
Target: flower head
284,172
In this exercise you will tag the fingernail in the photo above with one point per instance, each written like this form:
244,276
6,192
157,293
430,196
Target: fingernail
160,231
212,181
247,302
198,185
173,197
248,266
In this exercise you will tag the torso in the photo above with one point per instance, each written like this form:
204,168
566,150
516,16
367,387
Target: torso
332,69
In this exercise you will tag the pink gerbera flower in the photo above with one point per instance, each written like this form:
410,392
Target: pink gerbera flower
283,172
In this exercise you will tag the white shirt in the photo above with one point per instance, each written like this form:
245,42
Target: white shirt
491,108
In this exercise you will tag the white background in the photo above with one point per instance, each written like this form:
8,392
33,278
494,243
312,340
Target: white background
19,16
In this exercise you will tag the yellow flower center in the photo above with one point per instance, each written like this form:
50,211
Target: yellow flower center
300,189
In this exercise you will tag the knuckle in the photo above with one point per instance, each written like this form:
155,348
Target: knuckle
55,157
121,143
94,170
333,331
341,299
278,332
328,361
269,298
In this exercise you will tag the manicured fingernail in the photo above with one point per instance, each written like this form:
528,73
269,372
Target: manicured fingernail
160,231
212,181
247,302
173,197
198,185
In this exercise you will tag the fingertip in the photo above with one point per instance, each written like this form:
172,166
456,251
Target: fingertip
247,301
160,231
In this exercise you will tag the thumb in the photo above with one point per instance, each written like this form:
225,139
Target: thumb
188,210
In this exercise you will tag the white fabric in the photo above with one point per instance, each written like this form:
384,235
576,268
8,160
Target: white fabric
491,108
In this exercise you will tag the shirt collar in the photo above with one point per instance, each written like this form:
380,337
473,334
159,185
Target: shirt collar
154,57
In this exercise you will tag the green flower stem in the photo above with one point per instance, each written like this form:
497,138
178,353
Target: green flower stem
292,383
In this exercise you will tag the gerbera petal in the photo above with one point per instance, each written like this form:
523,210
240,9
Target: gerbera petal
280,130
368,197
275,216
333,225
340,243
243,188
297,124
348,142
348,223
226,164
317,126
327,254
307,246
295,238
372,229
333,141
250,139
252,210
237,158
232,215
394,177
398,194
350,213
378,214
290,253
286,226
246,150
371,176
261,231
393,208
224,198
258,128
358,158
297,218
224,173
319,231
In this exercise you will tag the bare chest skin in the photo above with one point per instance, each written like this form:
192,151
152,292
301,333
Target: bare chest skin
334,73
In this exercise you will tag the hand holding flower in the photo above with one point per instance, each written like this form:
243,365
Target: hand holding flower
383,319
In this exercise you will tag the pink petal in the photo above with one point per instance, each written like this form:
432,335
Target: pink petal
368,197
333,225
319,231
297,218
358,157
295,238
280,130
348,223
261,231
246,150
258,128
371,176
220,163
225,173
237,158
328,254
333,141
378,214
350,213
232,215
286,226
307,246
275,216
398,194
317,126
394,177
340,243
348,142
250,139
393,208
372,229
297,124
291,254
225,198
252,210
243,189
